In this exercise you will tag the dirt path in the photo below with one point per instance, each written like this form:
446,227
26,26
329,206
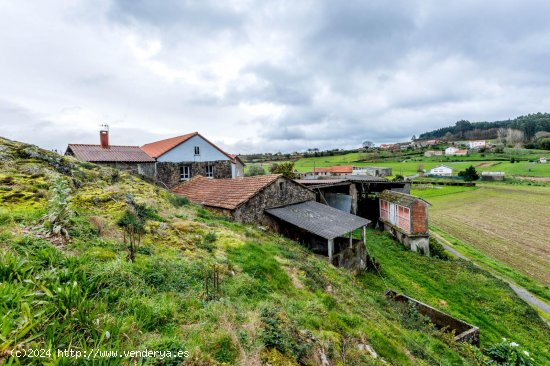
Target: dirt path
520,291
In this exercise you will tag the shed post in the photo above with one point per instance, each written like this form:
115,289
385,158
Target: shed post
351,239
330,249
364,235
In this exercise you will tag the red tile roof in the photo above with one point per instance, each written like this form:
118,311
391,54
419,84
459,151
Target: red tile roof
344,169
159,148
223,193
114,153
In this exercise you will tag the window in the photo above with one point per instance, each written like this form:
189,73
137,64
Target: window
281,186
185,172
209,171
197,150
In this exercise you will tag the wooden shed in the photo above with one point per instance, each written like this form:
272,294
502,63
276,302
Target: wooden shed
406,218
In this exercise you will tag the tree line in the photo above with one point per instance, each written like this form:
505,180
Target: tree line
529,125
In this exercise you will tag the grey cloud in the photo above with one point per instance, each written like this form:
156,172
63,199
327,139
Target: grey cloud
268,75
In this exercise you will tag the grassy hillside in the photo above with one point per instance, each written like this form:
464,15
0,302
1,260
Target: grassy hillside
276,303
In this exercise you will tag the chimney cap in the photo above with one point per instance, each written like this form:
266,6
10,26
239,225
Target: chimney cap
104,127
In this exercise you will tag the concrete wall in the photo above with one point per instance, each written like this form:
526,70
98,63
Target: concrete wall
416,243
185,152
464,332
272,196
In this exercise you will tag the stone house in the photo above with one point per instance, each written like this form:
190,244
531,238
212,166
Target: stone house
181,158
168,161
245,199
406,218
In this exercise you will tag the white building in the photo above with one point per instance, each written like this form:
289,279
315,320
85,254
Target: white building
476,144
543,160
442,171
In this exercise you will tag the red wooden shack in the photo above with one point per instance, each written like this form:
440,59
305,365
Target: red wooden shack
406,218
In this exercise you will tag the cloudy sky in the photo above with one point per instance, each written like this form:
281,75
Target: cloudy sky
266,76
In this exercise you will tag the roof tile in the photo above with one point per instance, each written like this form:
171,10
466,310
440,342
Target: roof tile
223,193
114,153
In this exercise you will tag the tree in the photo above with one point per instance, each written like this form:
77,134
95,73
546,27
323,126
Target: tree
286,169
368,144
470,174
132,222
413,138
255,170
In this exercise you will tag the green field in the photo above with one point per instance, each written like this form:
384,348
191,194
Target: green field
502,222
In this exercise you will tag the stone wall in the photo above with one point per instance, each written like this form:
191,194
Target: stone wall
279,193
134,168
169,173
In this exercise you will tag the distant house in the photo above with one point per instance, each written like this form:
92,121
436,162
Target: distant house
431,153
333,170
406,218
424,143
389,146
476,144
374,171
441,170
543,160
169,161
454,151
492,175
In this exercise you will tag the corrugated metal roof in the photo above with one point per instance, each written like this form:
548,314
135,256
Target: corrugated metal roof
319,219
399,198
114,153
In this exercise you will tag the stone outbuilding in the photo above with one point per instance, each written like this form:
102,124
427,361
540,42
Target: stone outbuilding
406,218
245,199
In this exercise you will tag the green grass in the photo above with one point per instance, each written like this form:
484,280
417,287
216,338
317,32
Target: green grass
407,163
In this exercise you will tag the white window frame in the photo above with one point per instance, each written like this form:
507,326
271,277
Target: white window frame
197,150
185,172
209,171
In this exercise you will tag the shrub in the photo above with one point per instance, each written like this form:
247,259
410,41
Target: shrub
255,170
208,241
178,201
470,174
508,353
437,250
